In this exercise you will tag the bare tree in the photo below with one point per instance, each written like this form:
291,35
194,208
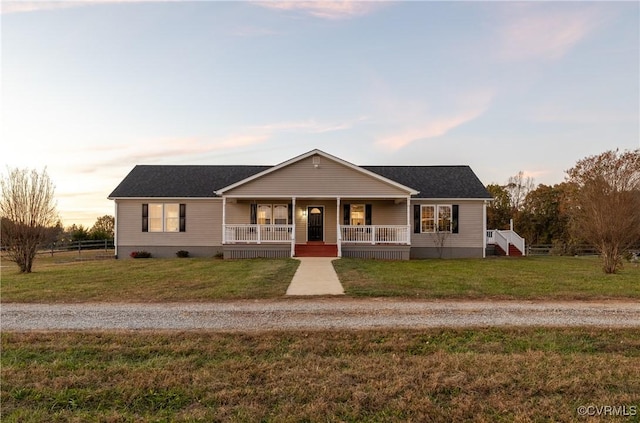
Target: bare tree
606,203
27,208
443,230
518,187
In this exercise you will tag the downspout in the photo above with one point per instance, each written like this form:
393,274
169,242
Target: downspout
115,229
484,229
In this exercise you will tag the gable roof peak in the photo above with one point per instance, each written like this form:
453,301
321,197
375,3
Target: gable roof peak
410,191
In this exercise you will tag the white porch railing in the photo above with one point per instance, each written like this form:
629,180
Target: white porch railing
504,238
257,234
375,234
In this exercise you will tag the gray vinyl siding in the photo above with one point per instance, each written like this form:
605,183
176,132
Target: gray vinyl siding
330,178
470,227
203,224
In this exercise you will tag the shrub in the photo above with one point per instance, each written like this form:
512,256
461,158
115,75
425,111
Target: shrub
140,254
182,254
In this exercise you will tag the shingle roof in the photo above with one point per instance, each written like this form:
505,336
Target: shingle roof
181,181
436,181
201,181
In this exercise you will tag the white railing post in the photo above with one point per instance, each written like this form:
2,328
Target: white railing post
408,235
293,226
373,235
339,231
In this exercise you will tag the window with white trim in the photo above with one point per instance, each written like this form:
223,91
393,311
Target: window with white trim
280,214
357,214
155,217
164,217
264,214
273,214
444,218
172,217
436,218
428,219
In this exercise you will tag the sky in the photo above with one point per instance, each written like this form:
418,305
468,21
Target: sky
89,89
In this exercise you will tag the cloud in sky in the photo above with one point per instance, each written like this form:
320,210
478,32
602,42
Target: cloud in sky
340,9
190,148
34,6
18,6
434,127
532,31
470,107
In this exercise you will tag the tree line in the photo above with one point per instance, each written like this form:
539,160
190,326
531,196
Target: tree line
102,229
598,204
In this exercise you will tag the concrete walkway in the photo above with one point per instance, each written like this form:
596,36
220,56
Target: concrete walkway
315,276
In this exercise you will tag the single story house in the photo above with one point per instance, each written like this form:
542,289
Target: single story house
314,204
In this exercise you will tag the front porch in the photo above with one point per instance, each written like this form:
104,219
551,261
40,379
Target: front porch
303,227
365,241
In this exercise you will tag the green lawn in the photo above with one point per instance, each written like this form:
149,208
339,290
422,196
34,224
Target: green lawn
197,279
555,278
147,280
437,375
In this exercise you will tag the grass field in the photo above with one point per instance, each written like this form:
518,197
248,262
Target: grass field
376,376
552,278
61,279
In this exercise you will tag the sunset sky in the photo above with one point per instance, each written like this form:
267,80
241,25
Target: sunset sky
92,88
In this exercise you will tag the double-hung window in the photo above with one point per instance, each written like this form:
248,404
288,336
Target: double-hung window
428,219
280,214
436,218
269,214
444,218
264,214
357,214
163,217
172,217
155,217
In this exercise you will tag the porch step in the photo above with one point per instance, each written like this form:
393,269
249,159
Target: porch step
513,251
316,250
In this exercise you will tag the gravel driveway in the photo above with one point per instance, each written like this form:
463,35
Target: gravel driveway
309,314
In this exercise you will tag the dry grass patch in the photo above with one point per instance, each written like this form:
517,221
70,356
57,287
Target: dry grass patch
148,280
551,278
435,375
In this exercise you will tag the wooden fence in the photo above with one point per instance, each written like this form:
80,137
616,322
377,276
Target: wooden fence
549,249
103,247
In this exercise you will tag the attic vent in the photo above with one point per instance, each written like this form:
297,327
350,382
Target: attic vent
316,161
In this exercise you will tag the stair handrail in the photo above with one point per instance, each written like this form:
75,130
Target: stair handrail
501,240
518,241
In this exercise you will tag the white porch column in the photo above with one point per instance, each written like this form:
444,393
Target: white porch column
409,220
224,220
293,226
339,234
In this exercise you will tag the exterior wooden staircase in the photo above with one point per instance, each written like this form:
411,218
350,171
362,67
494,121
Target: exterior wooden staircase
505,243
513,251
316,249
